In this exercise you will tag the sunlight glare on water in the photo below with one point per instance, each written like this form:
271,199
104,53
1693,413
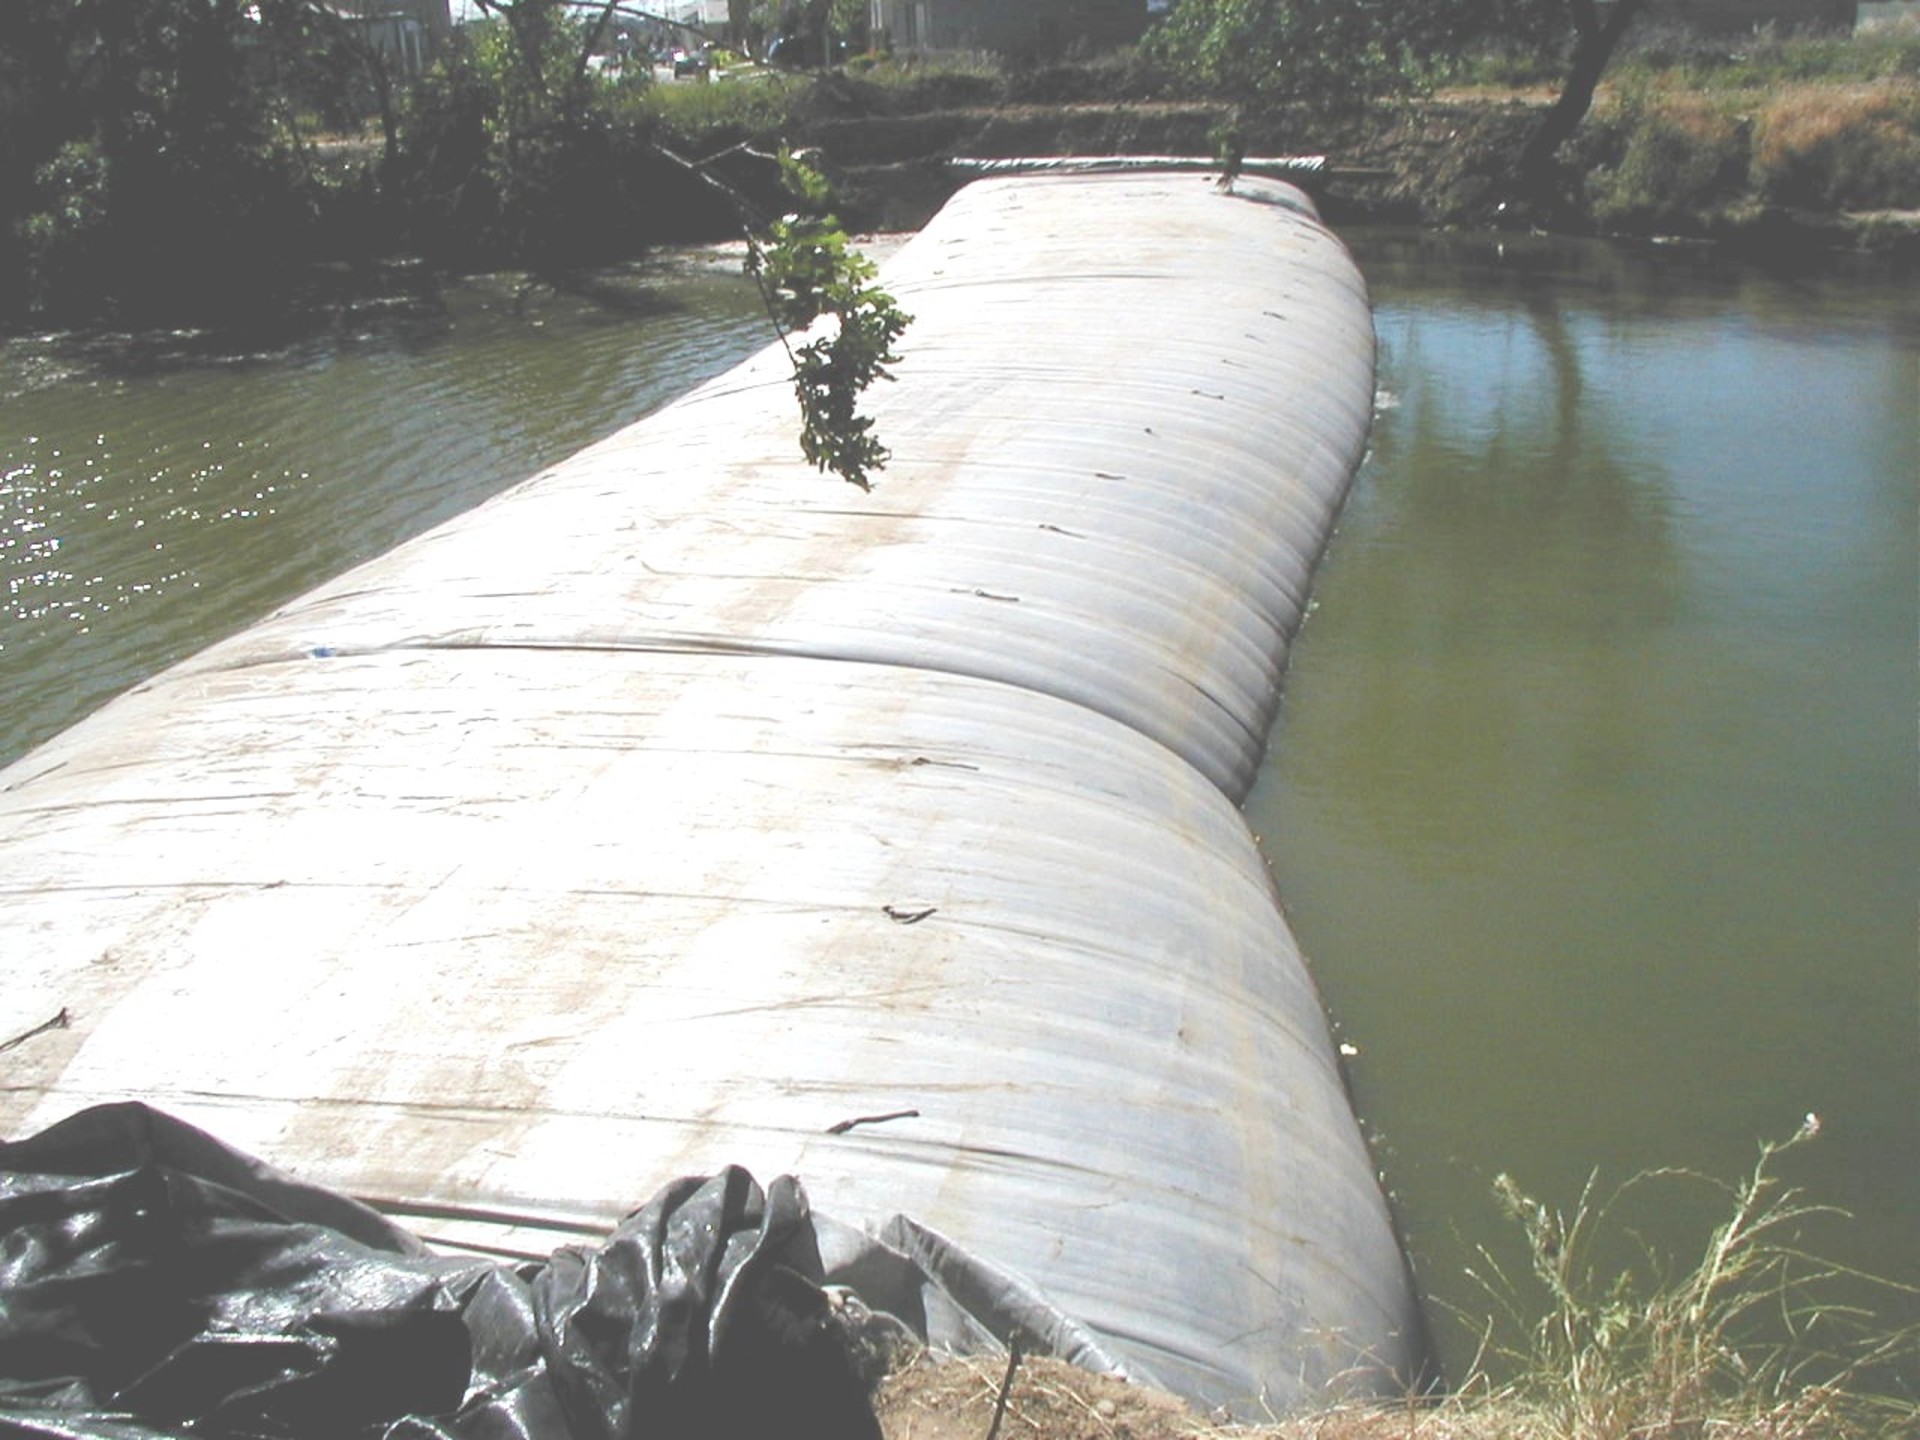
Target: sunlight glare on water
158,491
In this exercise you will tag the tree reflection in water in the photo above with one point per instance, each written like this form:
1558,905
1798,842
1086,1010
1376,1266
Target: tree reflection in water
1591,795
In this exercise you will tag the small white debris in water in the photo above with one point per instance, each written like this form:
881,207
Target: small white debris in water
1349,1050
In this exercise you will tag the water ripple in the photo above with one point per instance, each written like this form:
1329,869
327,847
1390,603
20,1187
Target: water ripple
157,492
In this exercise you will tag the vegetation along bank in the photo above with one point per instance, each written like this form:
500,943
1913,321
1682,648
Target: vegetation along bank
185,160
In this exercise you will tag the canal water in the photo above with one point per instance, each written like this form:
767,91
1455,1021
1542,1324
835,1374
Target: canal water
1593,793
160,491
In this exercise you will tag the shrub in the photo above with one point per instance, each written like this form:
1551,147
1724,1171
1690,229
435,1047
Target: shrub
444,178
1680,159
756,103
1830,58
1760,1337
64,235
1330,52
1509,65
1856,148
1768,57
909,84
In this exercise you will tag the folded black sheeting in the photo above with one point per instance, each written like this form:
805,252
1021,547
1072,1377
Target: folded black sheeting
154,1282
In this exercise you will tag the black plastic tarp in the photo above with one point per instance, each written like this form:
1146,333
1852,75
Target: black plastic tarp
154,1282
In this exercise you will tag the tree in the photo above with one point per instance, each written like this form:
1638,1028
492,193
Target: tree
1328,51
548,51
1595,38
1319,51
150,160
816,28
145,161
546,121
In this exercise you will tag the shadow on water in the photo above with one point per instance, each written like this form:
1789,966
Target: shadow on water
422,310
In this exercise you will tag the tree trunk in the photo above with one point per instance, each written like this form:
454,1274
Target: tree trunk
1594,45
819,51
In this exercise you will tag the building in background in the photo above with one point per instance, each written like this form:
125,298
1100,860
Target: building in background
710,15
1007,27
407,33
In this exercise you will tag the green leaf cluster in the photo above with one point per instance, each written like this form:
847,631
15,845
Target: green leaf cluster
812,277
1334,52
1310,50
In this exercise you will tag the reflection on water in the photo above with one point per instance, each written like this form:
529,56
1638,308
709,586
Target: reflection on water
1593,793
159,491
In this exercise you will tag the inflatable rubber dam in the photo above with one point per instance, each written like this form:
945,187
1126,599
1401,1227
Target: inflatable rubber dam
681,808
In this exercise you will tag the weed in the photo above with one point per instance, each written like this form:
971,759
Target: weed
1760,1337
1769,58
1506,67
759,103
1681,156
1841,148
910,84
1758,1340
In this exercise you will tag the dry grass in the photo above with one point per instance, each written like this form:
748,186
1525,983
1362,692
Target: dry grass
1854,147
1666,157
1759,1340
955,1400
1680,154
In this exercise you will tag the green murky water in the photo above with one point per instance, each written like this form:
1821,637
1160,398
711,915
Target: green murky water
160,491
1593,797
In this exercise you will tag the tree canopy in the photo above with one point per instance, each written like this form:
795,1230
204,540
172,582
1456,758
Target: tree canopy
1315,50
158,163
1329,51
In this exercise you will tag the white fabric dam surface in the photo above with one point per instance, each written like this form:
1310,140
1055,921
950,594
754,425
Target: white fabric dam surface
681,804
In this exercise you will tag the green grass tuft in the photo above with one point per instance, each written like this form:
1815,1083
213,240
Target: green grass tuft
1759,1337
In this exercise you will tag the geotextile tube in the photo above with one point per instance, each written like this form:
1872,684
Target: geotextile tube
682,809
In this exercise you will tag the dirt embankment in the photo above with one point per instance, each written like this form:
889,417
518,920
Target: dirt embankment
1446,160
891,171
1437,162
